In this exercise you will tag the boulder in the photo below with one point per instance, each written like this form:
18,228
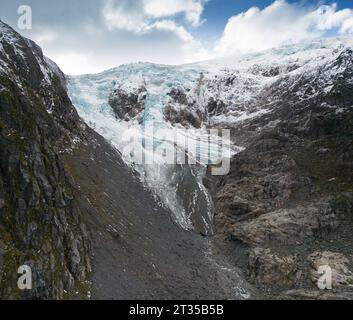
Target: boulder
267,267
342,276
288,226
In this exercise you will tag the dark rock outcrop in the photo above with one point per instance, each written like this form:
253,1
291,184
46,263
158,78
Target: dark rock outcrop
128,105
182,115
40,222
183,109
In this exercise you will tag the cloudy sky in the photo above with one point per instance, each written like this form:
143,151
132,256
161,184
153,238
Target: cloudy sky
87,36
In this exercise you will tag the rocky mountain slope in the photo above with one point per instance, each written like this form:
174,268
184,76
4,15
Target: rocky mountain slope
41,224
285,208
93,222
287,202
139,251
76,213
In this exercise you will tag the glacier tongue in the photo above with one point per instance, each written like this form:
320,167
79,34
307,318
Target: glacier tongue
178,186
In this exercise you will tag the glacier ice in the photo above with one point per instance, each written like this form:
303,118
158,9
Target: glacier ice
235,81
168,181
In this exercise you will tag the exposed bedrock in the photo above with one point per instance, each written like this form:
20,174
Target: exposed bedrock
128,105
288,200
41,225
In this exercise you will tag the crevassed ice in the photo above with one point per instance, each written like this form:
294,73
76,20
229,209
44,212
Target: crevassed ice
90,94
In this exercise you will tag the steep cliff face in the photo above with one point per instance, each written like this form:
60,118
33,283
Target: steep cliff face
40,222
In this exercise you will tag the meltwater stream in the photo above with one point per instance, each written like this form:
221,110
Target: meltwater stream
177,185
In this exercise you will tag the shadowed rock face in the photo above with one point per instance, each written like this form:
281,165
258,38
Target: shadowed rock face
40,222
181,109
182,115
128,105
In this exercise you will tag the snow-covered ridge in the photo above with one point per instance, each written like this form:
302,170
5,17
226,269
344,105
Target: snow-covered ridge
18,56
238,81
300,54
15,52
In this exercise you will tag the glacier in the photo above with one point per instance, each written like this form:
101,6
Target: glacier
233,83
90,95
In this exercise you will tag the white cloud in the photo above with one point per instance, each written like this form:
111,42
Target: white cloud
160,45
92,35
139,15
124,15
164,8
170,26
327,18
347,26
158,28
163,41
281,23
76,63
